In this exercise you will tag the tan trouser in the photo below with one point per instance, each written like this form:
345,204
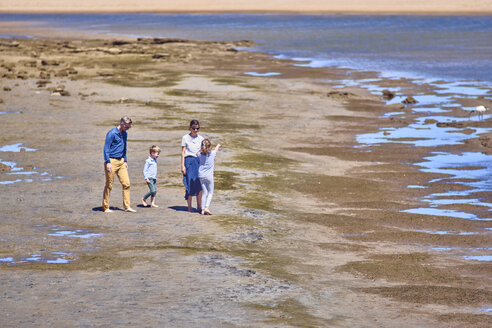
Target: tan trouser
119,168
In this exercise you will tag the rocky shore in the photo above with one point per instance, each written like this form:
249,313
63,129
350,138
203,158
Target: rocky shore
307,228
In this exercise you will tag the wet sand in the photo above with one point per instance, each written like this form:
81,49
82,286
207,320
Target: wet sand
285,6
307,229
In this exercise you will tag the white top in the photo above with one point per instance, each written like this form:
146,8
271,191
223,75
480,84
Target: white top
206,168
192,145
150,168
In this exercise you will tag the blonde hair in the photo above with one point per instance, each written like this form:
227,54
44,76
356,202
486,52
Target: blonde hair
206,146
154,149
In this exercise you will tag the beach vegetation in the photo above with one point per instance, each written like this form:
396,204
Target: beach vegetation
343,247
82,262
476,320
257,200
290,312
428,294
409,268
420,237
225,180
186,93
145,141
229,80
164,246
137,81
224,126
259,161
233,221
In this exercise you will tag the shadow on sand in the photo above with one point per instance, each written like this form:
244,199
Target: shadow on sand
100,209
182,209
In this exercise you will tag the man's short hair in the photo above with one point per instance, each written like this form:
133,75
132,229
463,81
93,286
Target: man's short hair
125,120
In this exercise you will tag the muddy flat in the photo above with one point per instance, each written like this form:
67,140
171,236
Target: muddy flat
308,228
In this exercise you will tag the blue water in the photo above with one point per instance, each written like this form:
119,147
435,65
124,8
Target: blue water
451,48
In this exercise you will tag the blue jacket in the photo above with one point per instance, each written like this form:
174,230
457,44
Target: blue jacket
115,145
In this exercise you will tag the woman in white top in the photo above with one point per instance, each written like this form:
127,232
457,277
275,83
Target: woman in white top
206,173
190,145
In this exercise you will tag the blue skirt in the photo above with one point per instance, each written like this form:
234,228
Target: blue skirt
190,179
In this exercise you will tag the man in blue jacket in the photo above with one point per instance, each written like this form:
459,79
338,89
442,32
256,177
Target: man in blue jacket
115,163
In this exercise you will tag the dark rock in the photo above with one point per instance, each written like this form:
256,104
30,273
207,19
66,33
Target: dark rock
161,40
22,75
450,124
388,95
340,94
119,43
72,71
9,67
159,56
68,46
7,89
61,73
4,168
42,83
31,63
168,40
409,101
47,62
63,93
44,75
59,91
485,142
430,121
105,74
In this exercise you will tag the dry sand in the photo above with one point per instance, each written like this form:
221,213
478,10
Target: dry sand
307,6
306,230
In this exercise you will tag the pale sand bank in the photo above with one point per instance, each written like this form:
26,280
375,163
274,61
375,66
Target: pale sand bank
307,6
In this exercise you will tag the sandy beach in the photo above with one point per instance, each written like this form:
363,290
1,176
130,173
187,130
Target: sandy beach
480,7
307,229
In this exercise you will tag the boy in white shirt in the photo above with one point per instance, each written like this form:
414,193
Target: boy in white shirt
150,175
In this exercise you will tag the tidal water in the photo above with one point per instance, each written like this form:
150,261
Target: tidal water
451,48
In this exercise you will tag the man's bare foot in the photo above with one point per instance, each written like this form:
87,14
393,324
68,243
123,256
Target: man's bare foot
207,211
144,203
129,209
154,205
108,211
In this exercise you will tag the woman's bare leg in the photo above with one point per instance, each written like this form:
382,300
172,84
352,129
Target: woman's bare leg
189,203
199,201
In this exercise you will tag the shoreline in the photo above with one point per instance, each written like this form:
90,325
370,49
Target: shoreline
310,235
37,29
252,6
487,12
